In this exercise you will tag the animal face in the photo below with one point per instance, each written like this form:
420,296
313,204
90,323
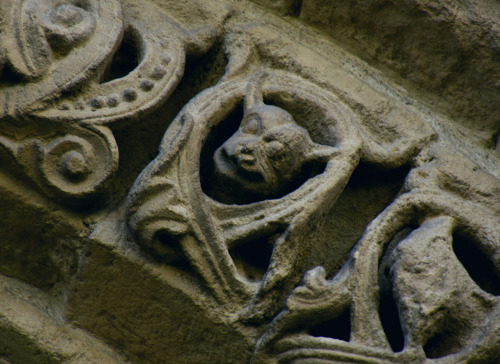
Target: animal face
265,154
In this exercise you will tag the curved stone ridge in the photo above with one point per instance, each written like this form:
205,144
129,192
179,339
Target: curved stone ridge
210,182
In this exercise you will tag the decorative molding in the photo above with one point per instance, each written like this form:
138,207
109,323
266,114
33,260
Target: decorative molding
287,153
58,61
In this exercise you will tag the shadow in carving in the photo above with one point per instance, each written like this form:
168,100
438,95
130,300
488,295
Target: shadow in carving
126,59
477,264
218,135
267,157
169,250
441,343
337,328
252,257
388,310
369,191
9,77
389,318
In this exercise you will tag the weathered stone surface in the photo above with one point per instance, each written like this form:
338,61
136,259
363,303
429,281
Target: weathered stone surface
446,51
219,182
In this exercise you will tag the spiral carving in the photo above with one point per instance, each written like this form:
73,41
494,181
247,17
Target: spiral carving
75,166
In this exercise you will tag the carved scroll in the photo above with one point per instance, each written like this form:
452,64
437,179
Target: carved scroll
170,207
59,66
218,199
418,243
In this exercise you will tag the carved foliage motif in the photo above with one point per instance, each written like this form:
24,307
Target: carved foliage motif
293,149
188,213
59,72
430,286
246,179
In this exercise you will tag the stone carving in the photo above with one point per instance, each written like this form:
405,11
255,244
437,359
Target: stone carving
163,207
42,43
251,196
60,67
300,207
444,313
51,46
166,210
72,166
266,155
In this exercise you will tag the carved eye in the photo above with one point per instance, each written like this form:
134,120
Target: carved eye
275,149
251,126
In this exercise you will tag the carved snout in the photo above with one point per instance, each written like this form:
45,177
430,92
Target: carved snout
244,155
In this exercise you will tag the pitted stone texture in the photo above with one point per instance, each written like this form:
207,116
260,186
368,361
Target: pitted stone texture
450,48
209,182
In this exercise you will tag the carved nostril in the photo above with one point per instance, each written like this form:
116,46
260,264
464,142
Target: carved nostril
239,148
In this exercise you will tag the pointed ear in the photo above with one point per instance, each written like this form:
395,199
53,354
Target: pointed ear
253,94
322,153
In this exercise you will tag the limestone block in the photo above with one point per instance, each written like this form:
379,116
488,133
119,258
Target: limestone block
229,181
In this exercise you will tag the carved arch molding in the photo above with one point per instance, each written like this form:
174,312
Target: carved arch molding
211,182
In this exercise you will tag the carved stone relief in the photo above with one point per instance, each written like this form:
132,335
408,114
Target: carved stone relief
300,207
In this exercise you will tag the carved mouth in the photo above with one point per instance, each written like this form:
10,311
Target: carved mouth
249,168
247,163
